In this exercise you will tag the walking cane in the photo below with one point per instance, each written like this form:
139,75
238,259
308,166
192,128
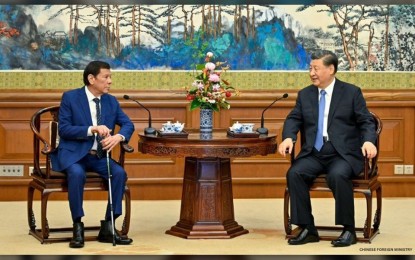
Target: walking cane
110,198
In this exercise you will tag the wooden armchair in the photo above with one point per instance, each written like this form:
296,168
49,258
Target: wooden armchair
45,123
367,183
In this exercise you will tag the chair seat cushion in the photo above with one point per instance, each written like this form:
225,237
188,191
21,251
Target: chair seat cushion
61,175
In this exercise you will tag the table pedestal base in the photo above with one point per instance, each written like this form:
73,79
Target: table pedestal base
207,201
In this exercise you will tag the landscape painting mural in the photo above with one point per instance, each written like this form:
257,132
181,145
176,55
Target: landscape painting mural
176,37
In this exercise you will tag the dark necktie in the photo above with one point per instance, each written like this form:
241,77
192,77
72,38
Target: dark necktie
319,138
100,151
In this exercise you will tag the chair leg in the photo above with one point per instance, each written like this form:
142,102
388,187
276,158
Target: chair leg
367,229
126,222
44,221
378,213
30,215
287,220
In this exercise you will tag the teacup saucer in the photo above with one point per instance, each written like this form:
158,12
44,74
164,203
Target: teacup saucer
170,132
232,130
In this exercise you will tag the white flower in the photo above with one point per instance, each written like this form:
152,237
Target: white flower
200,85
210,66
209,54
216,87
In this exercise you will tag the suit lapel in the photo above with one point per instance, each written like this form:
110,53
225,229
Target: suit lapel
104,108
314,102
84,105
337,95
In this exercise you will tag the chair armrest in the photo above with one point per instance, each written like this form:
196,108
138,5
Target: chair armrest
47,147
126,147
370,168
292,155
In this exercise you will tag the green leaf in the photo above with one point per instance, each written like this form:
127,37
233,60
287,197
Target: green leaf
195,104
200,66
192,91
200,76
207,105
224,104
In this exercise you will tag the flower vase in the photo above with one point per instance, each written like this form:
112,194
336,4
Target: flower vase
206,121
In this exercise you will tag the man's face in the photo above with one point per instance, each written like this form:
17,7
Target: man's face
321,75
100,84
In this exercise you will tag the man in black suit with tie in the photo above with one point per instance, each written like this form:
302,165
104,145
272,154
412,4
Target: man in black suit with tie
339,132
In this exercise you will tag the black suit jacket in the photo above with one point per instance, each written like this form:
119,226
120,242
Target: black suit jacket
350,123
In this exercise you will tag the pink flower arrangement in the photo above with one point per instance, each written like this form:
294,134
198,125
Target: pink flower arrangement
210,89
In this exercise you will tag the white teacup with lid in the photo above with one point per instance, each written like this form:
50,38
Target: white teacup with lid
247,128
168,127
178,127
236,127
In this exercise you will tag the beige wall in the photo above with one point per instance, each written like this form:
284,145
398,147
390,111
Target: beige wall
173,82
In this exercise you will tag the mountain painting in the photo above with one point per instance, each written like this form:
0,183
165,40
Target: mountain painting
176,37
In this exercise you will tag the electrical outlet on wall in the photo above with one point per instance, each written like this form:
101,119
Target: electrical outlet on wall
408,169
398,169
11,170
32,168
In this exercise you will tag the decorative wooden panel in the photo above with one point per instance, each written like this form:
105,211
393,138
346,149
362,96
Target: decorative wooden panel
152,177
392,148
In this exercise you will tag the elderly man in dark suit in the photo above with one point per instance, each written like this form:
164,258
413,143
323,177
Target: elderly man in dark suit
339,131
87,118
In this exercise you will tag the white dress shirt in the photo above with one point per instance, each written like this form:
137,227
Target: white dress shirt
329,94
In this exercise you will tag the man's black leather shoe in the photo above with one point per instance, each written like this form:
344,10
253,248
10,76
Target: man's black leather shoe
77,240
347,238
105,234
304,237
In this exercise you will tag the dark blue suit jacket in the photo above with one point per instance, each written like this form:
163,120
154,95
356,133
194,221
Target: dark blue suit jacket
74,120
350,123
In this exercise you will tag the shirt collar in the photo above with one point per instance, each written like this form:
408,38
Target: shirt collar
329,88
89,95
